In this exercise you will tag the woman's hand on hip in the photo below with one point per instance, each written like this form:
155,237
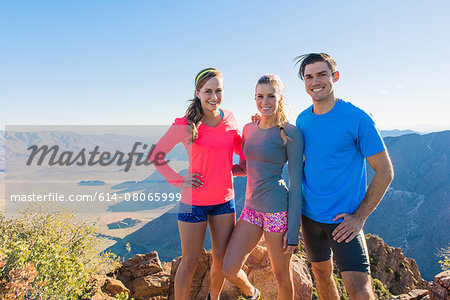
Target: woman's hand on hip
193,180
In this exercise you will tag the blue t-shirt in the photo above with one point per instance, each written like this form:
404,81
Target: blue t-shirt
336,145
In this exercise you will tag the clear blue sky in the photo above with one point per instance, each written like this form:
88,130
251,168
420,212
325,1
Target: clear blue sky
134,61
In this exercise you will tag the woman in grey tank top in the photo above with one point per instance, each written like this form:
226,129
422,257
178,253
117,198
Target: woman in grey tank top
271,208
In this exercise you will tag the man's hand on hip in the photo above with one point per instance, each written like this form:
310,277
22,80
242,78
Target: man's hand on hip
348,229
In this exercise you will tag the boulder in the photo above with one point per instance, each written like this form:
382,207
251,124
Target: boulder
151,285
412,295
145,276
141,265
439,289
115,286
105,288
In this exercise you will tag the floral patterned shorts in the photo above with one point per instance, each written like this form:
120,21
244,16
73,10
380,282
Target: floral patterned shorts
270,222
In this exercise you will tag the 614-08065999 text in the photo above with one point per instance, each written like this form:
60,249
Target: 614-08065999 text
101,197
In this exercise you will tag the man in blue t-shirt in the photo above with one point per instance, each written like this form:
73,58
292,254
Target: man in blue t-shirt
339,138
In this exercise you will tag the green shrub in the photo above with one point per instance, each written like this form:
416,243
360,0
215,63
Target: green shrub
315,293
123,296
61,250
373,264
340,286
445,261
380,291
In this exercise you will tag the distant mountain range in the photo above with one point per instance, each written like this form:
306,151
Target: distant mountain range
415,213
395,132
17,143
2,151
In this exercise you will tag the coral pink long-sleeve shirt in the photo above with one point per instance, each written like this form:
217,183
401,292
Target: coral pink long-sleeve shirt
210,155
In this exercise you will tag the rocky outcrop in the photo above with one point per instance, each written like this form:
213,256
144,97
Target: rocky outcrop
412,295
144,277
440,288
398,273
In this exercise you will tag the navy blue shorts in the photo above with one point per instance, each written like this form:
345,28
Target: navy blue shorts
196,213
320,246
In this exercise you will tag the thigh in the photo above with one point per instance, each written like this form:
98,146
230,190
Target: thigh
316,241
192,236
352,256
221,228
243,240
280,261
322,269
356,282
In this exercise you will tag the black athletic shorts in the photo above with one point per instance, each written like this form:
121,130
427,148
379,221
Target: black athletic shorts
320,246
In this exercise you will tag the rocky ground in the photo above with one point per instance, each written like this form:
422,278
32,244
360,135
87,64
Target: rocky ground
144,277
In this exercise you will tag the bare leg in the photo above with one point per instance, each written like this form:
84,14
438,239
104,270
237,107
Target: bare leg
220,227
192,236
358,285
281,265
323,273
243,240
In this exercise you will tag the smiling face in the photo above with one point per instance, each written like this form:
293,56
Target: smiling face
319,81
267,98
210,94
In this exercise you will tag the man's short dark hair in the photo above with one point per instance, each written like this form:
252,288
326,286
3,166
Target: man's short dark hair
311,58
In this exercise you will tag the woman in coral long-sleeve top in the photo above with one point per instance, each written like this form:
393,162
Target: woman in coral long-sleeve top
210,136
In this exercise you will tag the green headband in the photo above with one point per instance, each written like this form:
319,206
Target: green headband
201,74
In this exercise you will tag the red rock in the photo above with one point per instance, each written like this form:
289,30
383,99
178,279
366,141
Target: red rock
152,285
302,279
412,295
115,286
398,273
147,267
202,268
99,291
141,265
257,256
438,292
443,279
